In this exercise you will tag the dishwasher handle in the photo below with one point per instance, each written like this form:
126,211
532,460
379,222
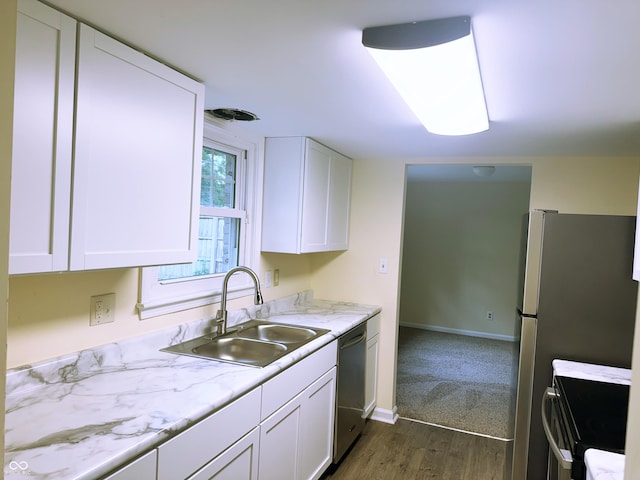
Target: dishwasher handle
353,341
563,456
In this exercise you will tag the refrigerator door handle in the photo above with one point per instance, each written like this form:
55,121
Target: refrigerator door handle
563,456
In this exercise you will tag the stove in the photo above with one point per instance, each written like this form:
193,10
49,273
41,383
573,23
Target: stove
590,414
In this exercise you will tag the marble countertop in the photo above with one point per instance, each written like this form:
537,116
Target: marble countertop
603,465
82,415
588,371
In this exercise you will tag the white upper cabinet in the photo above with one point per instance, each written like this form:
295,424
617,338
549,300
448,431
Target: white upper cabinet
307,191
135,181
138,149
42,139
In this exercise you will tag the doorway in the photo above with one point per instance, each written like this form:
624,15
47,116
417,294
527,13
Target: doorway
458,337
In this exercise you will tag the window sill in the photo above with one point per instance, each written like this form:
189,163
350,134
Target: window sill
157,307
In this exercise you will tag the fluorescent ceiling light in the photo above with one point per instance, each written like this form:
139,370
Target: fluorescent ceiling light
434,67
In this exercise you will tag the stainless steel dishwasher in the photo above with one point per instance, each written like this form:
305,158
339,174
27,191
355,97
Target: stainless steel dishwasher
350,391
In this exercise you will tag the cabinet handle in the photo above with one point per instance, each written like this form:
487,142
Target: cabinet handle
354,341
563,457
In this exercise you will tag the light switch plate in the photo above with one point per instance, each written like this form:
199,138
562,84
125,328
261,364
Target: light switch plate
383,265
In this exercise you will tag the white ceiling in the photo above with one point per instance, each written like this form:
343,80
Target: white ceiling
561,77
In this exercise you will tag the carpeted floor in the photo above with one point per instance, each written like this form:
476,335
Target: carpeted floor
456,381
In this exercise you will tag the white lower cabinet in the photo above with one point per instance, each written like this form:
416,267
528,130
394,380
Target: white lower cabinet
296,442
188,454
316,432
238,462
371,369
144,468
297,420
282,430
279,447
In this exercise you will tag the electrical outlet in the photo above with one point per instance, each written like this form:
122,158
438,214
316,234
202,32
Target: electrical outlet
103,309
268,279
489,315
276,277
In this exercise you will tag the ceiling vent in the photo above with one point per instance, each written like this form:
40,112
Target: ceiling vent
233,114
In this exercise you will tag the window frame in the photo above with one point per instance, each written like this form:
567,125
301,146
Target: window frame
159,298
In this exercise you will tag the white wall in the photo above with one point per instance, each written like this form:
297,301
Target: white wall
8,15
461,255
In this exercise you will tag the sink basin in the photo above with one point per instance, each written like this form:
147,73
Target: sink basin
254,343
278,333
240,350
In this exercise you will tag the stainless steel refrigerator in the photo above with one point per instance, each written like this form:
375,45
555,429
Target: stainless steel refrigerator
578,303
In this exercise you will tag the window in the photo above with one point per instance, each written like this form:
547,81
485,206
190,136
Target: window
225,233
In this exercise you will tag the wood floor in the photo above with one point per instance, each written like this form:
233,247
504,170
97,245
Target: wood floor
411,450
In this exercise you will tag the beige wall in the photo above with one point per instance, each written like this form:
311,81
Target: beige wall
49,314
8,9
572,185
461,255
375,232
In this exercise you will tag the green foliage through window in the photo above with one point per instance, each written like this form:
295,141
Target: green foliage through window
218,236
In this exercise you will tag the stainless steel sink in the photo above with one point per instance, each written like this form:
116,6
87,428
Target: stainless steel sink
241,350
278,333
254,343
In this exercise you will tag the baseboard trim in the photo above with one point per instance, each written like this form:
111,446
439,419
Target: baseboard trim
385,415
468,333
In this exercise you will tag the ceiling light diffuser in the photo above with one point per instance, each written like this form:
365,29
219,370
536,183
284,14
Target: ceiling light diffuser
484,170
434,67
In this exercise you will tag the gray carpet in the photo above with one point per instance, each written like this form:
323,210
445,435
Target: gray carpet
456,381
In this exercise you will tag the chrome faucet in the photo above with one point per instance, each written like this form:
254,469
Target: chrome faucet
221,316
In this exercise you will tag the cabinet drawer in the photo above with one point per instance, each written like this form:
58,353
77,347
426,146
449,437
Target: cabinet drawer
240,461
143,467
193,448
279,390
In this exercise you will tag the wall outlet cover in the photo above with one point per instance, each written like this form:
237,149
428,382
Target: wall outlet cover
102,309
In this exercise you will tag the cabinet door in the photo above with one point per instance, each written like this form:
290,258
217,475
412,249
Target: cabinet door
42,139
239,462
279,446
316,432
306,197
144,468
187,452
296,442
315,202
138,149
339,202
371,371
282,194
371,377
